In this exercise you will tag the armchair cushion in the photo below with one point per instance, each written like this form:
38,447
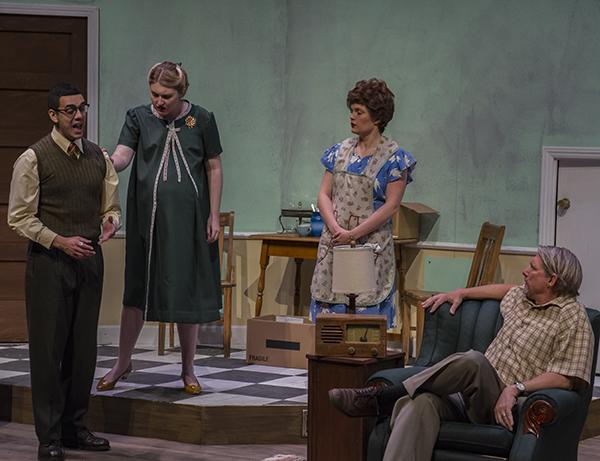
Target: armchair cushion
475,438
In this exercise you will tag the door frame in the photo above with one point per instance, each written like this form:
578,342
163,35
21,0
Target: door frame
551,155
92,15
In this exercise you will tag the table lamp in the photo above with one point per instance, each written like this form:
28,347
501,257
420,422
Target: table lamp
353,272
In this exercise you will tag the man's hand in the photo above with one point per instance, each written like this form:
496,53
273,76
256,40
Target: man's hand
108,230
76,247
455,297
213,228
504,406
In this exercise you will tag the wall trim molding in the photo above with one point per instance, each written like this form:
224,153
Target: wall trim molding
551,155
93,57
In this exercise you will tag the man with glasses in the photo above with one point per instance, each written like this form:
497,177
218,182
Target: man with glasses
64,199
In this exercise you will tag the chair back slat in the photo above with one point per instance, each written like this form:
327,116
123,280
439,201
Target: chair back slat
487,255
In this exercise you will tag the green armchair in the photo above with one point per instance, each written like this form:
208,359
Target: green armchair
549,421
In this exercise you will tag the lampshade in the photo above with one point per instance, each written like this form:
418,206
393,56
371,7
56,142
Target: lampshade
353,269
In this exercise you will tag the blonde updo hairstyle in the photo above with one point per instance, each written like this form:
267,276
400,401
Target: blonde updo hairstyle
170,75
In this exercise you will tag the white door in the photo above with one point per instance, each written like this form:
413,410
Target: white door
578,220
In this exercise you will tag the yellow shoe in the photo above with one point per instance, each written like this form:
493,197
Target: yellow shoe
193,389
104,385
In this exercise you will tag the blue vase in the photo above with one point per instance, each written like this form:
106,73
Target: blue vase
316,224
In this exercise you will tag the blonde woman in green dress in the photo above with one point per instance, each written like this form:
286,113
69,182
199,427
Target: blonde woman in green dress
172,263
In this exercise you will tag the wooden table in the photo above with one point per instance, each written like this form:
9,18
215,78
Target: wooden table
301,248
331,434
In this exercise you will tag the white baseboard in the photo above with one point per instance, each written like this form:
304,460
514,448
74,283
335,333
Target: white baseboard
208,335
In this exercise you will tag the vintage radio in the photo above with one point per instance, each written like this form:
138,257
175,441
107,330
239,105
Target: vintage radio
348,335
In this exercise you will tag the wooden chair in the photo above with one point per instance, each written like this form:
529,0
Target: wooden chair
483,270
227,284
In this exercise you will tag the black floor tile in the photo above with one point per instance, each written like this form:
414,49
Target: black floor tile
271,392
137,364
220,362
11,353
113,351
245,376
16,365
162,394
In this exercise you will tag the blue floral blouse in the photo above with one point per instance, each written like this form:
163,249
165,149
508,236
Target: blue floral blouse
391,171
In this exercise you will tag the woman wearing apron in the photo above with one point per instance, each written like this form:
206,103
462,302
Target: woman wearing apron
362,187
172,262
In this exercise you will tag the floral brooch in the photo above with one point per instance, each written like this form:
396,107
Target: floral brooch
190,121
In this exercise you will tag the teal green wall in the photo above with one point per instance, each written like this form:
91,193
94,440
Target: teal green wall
481,86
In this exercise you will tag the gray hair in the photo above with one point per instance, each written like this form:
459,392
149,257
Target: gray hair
565,265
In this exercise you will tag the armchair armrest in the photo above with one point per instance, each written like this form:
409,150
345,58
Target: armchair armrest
547,426
557,405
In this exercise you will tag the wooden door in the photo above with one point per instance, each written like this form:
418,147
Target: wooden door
36,52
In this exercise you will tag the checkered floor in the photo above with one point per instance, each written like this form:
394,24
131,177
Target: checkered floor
224,381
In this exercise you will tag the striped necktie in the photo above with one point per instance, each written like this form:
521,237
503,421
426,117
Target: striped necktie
73,150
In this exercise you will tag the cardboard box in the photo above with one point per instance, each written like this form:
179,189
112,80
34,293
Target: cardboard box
281,341
406,224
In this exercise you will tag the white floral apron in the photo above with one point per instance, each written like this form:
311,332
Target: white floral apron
352,200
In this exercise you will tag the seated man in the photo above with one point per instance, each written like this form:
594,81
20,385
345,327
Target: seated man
546,341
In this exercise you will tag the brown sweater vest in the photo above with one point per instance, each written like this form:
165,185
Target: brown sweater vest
70,188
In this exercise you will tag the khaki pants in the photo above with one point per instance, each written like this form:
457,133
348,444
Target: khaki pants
463,387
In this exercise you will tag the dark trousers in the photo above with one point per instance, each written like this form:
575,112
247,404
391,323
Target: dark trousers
63,303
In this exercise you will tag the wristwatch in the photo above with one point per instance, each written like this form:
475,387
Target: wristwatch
520,387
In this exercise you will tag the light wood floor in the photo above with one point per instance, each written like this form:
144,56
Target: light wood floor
18,443
589,449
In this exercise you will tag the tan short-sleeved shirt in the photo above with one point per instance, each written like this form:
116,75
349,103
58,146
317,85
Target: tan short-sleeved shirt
534,339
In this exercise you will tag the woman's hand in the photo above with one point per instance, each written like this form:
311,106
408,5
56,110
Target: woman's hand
213,228
342,236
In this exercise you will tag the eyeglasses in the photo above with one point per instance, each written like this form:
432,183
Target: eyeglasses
71,110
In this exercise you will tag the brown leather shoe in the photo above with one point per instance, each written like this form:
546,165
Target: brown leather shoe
356,402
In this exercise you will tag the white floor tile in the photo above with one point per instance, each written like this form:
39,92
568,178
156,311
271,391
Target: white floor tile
239,355
100,372
299,399
297,382
276,370
9,374
226,399
121,386
175,369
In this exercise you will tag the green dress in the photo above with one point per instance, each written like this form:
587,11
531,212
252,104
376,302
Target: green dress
171,271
